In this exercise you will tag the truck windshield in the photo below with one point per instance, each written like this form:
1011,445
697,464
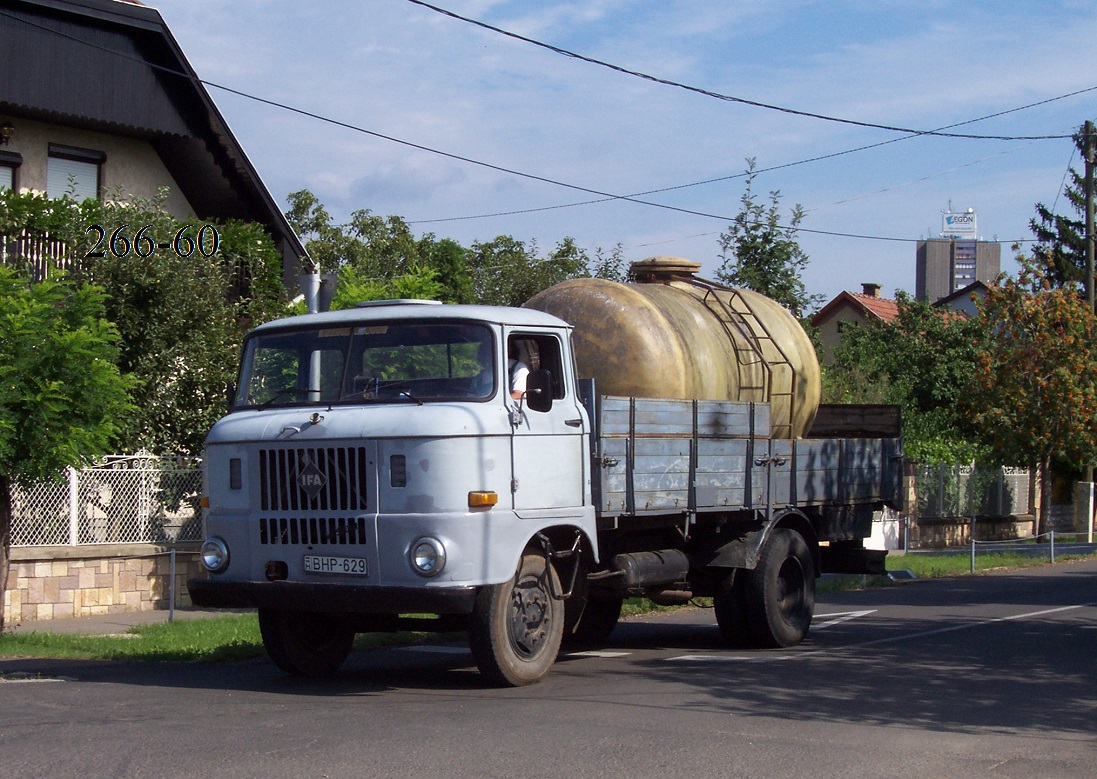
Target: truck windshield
402,361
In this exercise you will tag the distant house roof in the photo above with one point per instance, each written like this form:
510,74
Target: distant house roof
112,66
870,306
974,288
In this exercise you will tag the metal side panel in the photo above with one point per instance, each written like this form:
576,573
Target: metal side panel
661,474
862,469
818,471
724,419
781,477
666,456
722,466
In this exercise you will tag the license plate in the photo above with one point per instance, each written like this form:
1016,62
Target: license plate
350,566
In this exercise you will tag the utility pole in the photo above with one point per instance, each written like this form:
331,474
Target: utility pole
1087,130
1088,137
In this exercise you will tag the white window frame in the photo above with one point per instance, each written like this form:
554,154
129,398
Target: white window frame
9,166
68,165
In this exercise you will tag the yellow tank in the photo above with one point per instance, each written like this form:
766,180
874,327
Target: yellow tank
670,334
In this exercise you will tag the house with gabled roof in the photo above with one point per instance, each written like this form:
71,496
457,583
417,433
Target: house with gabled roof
97,98
851,309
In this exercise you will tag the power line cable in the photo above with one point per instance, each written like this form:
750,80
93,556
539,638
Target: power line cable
719,179
605,195
733,99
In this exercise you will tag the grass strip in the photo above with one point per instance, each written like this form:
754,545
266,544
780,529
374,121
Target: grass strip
235,637
223,639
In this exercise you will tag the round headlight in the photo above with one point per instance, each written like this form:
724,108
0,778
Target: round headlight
428,556
215,554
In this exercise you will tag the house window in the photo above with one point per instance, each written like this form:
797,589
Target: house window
9,163
73,171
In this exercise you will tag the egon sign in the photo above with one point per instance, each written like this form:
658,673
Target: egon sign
958,225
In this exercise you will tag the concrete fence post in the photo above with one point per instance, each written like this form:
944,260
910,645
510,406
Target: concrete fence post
973,544
171,586
74,506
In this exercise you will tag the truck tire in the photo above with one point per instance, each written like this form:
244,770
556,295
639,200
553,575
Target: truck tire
305,643
780,592
729,603
600,616
515,628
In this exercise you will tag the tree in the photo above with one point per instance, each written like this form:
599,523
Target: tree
922,361
1060,240
380,253
418,283
759,253
378,250
507,272
1033,393
180,312
61,393
610,266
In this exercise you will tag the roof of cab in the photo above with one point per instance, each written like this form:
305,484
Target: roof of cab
420,310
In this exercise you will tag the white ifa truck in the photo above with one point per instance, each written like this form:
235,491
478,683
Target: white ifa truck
379,470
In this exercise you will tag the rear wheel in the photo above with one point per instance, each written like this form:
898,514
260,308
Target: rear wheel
780,592
305,643
515,628
729,603
600,616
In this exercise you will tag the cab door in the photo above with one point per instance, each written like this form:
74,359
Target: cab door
548,447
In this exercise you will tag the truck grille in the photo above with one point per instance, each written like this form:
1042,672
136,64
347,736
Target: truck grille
313,531
313,479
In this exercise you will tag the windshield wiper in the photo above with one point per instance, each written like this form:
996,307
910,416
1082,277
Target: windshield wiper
376,385
284,393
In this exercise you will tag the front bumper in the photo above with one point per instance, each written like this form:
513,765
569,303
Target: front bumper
332,598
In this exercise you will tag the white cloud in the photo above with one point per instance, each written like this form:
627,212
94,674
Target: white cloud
405,71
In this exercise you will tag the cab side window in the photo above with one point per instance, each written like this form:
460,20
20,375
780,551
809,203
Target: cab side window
538,352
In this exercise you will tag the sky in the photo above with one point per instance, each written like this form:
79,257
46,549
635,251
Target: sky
469,134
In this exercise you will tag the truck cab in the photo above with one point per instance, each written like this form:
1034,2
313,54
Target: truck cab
376,463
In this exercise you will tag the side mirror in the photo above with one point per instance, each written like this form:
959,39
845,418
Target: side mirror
539,390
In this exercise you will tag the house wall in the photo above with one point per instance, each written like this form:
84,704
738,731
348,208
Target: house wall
132,166
830,332
59,582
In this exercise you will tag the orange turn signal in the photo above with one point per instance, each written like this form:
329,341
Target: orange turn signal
204,501
482,499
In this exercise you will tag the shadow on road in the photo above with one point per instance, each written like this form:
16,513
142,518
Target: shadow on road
944,655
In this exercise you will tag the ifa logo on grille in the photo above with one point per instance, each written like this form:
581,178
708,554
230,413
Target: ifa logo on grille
311,480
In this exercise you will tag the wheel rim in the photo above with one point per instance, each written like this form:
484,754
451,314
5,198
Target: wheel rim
530,616
790,587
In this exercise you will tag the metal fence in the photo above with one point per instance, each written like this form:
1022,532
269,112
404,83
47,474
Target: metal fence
122,499
972,490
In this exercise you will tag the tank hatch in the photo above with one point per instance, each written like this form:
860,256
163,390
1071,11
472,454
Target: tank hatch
663,269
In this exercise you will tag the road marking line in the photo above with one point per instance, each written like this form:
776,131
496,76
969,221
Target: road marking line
841,616
731,658
795,655
22,677
967,626
597,653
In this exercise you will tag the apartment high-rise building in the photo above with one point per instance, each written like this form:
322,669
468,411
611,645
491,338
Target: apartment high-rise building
956,259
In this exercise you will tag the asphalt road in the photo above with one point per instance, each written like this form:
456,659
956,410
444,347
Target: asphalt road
990,676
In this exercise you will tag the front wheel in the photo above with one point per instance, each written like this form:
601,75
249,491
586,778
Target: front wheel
780,592
515,628
305,643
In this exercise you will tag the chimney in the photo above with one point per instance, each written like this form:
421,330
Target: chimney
870,290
